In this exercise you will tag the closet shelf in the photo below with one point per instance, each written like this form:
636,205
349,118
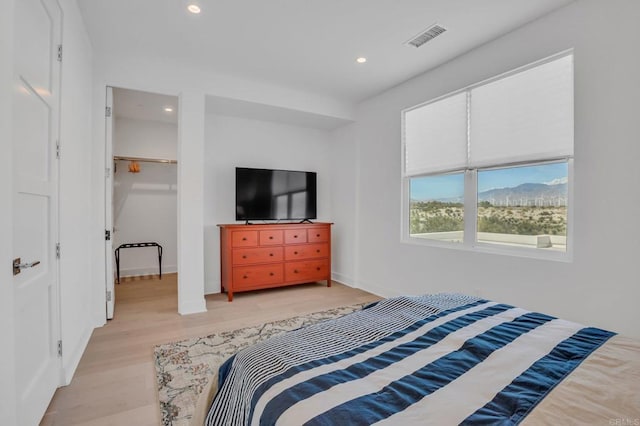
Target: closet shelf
145,160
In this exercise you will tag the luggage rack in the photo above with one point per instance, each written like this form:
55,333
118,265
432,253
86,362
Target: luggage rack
134,245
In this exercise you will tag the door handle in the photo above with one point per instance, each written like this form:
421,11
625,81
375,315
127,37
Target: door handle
17,266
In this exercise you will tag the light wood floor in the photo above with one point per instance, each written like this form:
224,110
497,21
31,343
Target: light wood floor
115,381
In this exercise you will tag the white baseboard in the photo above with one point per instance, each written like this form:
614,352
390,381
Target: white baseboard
343,279
378,290
192,307
100,319
374,288
137,272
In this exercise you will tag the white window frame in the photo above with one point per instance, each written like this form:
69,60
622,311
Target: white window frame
470,242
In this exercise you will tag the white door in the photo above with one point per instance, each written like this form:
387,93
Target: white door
108,205
36,101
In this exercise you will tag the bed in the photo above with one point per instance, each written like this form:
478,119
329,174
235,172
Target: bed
434,359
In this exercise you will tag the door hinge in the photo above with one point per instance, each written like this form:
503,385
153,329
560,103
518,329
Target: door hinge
107,173
57,250
59,53
58,149
59,347
108,296
107,111
107,235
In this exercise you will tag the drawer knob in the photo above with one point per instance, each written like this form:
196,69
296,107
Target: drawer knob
295,252
295,236
318,235
271,238
244,277
244,238
271,274
271,254
295,271
317,268
244,256
318,251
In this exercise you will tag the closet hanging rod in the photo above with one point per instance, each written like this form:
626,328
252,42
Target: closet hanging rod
146,160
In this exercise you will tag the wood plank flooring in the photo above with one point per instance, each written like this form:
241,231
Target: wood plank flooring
115,380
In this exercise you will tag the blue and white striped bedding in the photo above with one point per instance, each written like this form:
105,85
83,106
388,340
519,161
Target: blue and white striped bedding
440,359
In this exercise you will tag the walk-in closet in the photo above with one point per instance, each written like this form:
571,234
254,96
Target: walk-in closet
144,136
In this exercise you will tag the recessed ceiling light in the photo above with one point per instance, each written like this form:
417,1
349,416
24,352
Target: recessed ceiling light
168,109
361,60
193,8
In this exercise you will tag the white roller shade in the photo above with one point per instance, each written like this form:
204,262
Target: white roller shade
435,136
526,116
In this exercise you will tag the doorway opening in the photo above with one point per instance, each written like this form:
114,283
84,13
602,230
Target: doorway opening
141,201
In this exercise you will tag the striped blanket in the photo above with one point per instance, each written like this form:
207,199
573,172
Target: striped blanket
439,359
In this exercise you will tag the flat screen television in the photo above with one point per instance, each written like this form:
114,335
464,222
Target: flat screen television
266,194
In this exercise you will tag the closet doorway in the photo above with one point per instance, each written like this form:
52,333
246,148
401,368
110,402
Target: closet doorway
141,201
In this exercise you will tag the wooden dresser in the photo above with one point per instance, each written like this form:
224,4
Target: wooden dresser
254,257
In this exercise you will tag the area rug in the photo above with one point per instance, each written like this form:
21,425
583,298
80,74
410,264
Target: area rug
184,368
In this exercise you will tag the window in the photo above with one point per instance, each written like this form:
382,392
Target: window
437,207
524,206
489,167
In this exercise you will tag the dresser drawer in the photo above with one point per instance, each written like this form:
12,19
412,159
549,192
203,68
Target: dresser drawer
270,237
318,235
294,236
306,271
248,256
306,251
244,238
252,276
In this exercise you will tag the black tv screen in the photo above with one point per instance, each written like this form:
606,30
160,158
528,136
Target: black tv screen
265,194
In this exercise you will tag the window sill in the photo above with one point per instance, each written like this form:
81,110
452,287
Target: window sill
524,246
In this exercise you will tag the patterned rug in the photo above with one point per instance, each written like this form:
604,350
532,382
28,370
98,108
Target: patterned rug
184,368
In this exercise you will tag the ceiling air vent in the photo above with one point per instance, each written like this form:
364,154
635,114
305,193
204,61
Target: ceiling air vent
427,35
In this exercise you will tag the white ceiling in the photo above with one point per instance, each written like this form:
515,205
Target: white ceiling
139,105
308,45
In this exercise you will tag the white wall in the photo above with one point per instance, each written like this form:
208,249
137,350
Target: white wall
190,203
601,286
344,199
145,204
75,190
161,75
144,138
145,210
237,142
